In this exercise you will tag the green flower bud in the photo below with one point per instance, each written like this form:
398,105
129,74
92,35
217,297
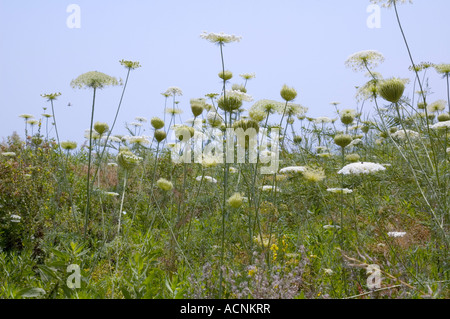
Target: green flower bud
246,124
101,127
342,140
127,160
298,139
444,117
227,75
160,135
288,93
69,145
352,157
239,87
392,89
229,103
157,123
236,200
164,184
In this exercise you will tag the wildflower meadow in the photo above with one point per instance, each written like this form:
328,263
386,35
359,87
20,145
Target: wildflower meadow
247,199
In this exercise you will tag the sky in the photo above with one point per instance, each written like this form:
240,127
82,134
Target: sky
303,44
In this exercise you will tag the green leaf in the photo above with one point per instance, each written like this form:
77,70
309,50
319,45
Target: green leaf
31,292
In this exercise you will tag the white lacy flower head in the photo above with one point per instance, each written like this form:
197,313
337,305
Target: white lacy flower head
141,140
269,188
247,76
362,59
390,3
340,190
220,38
15,218
355,142
292,170
441,125
361,168
173,91
322,120
331,226
437,106
396,234
8,154
206,178
240,95
400,134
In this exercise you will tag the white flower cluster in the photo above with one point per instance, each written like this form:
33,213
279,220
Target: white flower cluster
340,190
206,178
396,234
292,170
362,59
141,140
389,3
240,95
220,37
361,168
173,91
322,120
441,125
400,134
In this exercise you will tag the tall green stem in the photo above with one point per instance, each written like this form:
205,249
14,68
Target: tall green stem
88,184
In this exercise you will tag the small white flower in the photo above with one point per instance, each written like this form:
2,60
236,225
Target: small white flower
340,190
206,178
269,188
292,169
441,125
220,37
396,234
15,218
361,168
331,226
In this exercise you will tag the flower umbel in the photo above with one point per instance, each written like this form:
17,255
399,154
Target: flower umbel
94,79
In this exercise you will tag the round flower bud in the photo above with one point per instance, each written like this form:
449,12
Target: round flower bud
444,117
160,135
352,157
365,129
290,120
384,134
392,130
227,75
392,89
347,116
297,139
246,124
101,127
421,105
127,159
288,93
69,145
239,87
236,200
36,140
342,140
164,184
196,109
229,103
157,123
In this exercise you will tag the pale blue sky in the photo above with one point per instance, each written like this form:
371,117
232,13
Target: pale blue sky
301,43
